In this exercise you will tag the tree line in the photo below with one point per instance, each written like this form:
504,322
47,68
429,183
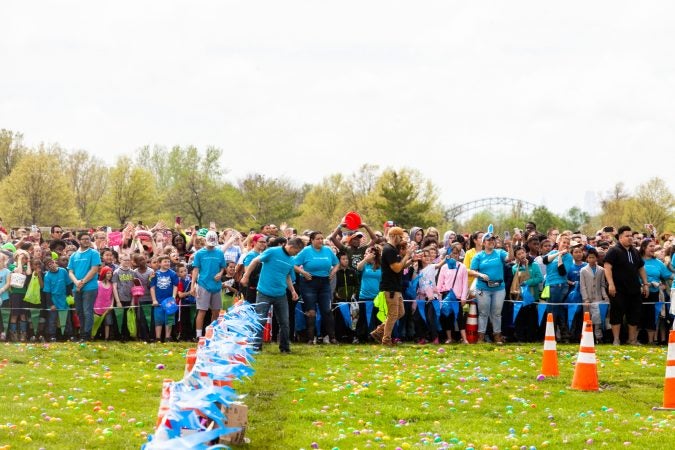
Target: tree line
48,184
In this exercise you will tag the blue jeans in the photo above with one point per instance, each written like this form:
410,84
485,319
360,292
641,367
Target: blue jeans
559,295
262,307
490,305
317,290
84,303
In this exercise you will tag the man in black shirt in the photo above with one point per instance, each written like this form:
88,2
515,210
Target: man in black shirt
392,282
624,268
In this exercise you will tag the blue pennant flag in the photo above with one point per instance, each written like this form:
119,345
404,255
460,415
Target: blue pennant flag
527,296
420,309
300,323
346,314
657,312
437,310
604,307
541,311
571,312
516,309
369,312
446,309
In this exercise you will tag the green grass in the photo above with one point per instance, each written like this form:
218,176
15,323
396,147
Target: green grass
344,397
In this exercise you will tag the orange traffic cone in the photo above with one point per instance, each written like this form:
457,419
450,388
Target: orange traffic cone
586,369
549,365
472,324
164,402
669,383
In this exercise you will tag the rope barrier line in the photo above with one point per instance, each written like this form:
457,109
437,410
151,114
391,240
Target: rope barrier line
337,304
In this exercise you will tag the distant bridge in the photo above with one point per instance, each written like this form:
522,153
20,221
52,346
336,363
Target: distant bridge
488,203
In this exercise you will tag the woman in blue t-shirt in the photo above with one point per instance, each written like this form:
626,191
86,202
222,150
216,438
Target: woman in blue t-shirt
316,265
371,274
657,275
558,264
488,268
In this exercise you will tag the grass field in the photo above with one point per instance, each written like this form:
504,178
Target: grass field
104,395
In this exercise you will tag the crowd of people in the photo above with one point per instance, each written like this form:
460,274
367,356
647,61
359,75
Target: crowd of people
352,285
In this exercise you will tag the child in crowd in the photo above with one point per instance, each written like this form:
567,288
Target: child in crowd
162,286
185,302
56,282
104,299
592,285
123,281
108,258
154,263
346,285
230,285
18,315
144,275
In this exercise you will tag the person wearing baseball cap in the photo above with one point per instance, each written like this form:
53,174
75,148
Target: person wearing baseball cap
208,267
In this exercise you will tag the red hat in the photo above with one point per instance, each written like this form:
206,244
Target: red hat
103,272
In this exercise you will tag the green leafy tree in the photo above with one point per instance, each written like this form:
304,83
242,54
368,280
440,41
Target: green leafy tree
11,151
269,200
545,219
196,189
613,205
479,221
406,198
131,192
652,203
325,204
38,192
575,219
88,180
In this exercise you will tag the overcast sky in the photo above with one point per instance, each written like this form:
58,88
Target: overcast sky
543,101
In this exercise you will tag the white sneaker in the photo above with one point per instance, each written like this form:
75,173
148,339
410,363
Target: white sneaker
326,340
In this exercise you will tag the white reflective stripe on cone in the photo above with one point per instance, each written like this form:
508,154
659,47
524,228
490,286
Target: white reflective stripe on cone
587,340
671,352
549,345
670,372
550,330
586,358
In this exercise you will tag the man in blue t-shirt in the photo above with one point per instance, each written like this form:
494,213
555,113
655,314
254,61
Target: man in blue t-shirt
275,278
83,272
208,267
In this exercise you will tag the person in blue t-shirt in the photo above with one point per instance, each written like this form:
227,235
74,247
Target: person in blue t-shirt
208,267
56,281
317,264
488,267
371,275
657,275
558,263
83,272
162,286
275,278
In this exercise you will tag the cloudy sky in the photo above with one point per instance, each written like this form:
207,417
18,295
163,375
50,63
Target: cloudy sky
543,101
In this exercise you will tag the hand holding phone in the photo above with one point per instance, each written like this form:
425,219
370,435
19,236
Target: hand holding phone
507,236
